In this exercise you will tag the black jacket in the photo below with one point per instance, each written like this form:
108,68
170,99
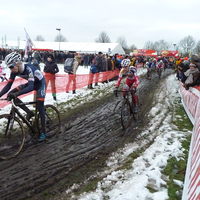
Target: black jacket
51,67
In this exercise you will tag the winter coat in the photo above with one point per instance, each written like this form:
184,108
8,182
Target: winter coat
99,63
51,67
76,63
104,65
192,76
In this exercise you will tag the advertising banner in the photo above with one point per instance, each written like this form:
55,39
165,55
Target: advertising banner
191,103
169,53
145,52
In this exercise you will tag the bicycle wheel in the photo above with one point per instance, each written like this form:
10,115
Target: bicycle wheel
12,136
116,114
136,115
159,73
126,114
53,123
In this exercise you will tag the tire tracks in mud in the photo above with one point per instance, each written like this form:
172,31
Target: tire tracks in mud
46,168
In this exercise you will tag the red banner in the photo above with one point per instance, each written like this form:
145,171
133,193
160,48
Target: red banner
63,82
169,53
145,52
33,49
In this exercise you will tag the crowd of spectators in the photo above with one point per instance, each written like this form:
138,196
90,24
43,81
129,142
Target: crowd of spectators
188,71
106,62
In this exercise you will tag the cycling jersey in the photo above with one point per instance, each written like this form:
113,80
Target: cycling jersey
148,64
30,73
160,65
131,77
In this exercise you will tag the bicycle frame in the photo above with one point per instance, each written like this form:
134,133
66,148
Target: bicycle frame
14,110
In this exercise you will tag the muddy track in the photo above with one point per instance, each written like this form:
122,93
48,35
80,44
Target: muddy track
45,169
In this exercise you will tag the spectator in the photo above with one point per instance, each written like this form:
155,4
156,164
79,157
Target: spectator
98,58
93,71
85,60
30,57
113,63
35,63
50,70
36,56
104,65
109,66
192,75
117,63
183,67
72,75
91,58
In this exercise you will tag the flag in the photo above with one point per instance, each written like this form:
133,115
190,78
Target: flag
28,46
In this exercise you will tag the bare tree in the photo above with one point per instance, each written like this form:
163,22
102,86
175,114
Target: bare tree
149,45
39,38
132,47
121,40
103,38
161,45
187,44
60,38
197,48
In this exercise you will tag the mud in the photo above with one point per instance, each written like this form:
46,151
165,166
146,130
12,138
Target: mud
43,170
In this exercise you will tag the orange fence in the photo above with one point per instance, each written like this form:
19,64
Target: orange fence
64,82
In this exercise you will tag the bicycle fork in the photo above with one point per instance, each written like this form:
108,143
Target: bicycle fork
9,126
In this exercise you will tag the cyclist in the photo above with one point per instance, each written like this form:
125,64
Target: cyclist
132,81
160,66
148,66
36,81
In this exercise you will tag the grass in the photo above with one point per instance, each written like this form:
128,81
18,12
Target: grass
176,167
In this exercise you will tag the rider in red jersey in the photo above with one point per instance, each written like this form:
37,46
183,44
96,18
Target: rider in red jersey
160,67
132,80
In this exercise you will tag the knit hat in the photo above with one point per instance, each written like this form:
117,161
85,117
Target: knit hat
195,63
50,56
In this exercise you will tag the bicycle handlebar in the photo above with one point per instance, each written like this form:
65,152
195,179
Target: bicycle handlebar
134,91
126,90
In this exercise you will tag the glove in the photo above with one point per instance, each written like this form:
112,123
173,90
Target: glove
12,96
115,91
134,89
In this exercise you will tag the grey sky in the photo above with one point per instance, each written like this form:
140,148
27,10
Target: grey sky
138,21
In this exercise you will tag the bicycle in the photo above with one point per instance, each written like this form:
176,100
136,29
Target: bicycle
127,109
159,71
12,133
149,71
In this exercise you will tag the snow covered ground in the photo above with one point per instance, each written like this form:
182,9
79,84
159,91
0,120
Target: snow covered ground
147,168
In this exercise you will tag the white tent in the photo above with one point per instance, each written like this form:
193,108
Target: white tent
79,47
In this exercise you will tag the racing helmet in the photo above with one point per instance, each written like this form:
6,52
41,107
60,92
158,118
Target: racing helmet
125,62
12,58
160,61
133,69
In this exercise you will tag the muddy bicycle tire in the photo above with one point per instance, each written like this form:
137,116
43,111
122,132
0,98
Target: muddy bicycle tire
53,122
136,115
12,136
126,114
